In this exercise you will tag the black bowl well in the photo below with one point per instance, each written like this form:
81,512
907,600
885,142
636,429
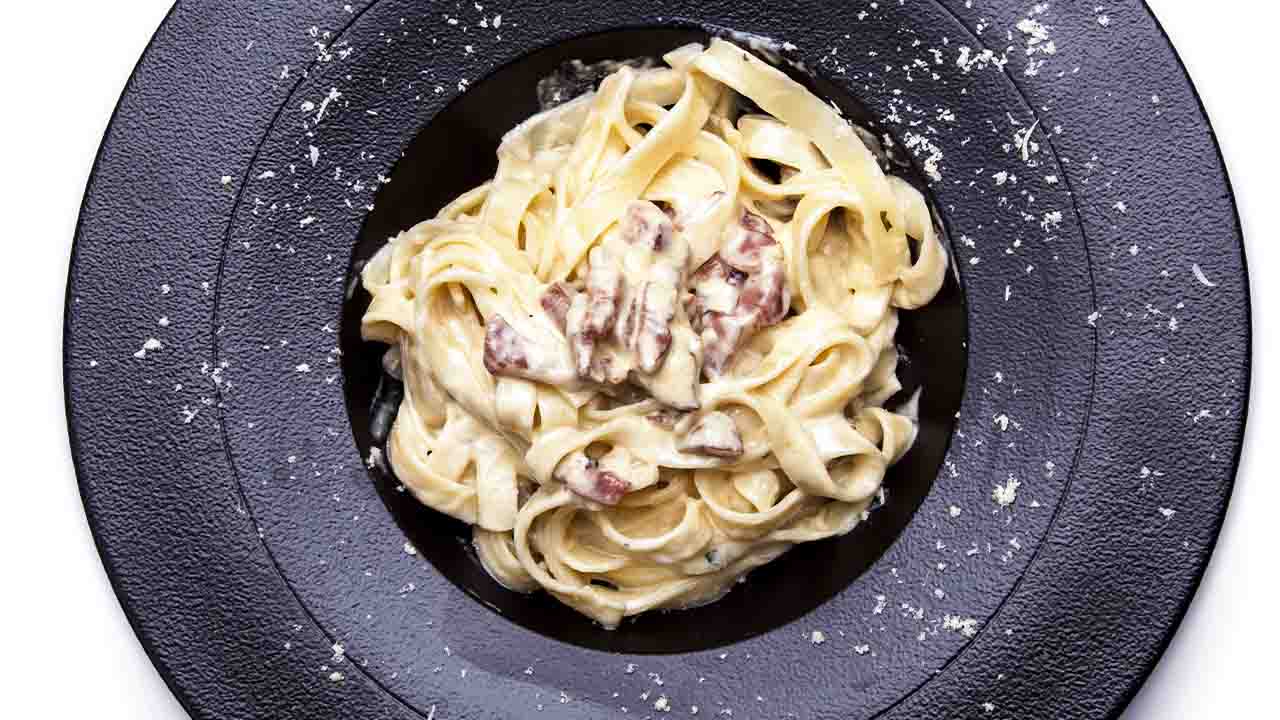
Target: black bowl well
455,152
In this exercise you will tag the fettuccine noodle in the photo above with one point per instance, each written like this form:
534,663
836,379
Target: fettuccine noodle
638,365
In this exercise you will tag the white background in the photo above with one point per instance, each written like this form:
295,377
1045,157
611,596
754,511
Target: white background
68,651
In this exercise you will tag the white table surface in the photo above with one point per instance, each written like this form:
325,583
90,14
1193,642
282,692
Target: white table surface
68,651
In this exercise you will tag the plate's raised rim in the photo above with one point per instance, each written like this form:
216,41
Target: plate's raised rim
127,605
131,605
1220,511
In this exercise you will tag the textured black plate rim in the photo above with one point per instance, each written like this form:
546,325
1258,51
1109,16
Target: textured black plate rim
1084,431
127,604
1218,515
1220,511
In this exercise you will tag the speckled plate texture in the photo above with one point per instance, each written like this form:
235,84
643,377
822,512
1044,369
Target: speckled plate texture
1085,372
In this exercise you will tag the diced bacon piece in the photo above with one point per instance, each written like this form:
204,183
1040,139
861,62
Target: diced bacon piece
726,307
591,316
722,333
765,294
508,353
714,288
556,301
607,487
585,477
747,243
713,434
581,343
715,268
645,224
648,328
764,301
604,287
504,348
621,463
646,325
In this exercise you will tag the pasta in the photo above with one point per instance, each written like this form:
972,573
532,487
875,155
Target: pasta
638,362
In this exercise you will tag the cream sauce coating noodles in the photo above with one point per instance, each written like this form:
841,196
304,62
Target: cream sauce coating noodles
640,364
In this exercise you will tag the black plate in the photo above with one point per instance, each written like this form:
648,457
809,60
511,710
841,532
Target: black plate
1095,342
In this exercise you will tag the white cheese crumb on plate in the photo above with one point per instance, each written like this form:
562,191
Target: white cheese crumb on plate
1006,494
1200,276
150,345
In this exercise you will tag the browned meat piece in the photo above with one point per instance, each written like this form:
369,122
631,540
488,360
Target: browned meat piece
722,333
648,327
738,291
714,434
581,343
508,353
504,348
747,243
585,477
714,287
604,287
556,301
646,224
765,294
591,315
608,488
715,268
